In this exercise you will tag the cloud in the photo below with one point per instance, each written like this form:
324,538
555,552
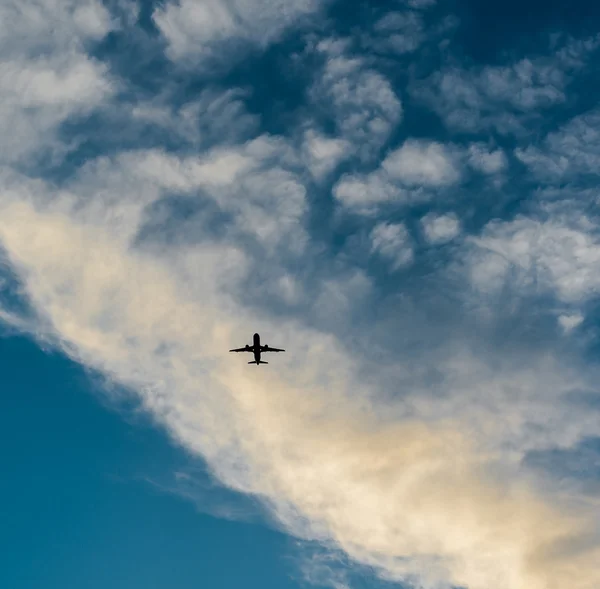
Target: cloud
196,30
363,193
407,175
46,75
570,322
537,256
397,32
255,183
567,153
363,103
392,241
440,229
48,25
323,153
420,163
485,160
214,117
503,98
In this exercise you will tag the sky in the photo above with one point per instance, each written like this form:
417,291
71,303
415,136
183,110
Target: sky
401,194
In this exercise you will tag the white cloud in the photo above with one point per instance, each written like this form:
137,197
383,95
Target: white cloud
485,160
364,192
571,151
440,229
503,97
45,74
570,322
323,153
539,256
423,163
256,183
30,28
407,175
196,29
392,241
214,117
363,102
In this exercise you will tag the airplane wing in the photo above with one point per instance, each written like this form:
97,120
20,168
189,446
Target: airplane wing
241,350
268,349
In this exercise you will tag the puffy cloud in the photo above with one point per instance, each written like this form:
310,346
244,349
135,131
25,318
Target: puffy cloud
407,175
364,193
536,255
420,163
323,153
46,75
365,106
440,228
570,322
197,29
485,160
34,27
392,241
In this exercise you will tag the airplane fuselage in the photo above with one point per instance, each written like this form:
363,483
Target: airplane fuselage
256,348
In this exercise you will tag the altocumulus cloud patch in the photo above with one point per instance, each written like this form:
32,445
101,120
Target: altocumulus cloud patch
404,425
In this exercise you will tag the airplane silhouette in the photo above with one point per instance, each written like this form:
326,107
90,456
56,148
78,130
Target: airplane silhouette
257,350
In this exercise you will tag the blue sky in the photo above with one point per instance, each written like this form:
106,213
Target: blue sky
401,194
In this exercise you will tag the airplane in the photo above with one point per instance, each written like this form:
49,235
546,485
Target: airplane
257,350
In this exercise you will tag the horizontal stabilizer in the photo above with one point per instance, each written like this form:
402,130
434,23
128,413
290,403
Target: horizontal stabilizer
255,362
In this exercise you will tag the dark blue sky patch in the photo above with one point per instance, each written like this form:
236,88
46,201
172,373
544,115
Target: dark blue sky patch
491,31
